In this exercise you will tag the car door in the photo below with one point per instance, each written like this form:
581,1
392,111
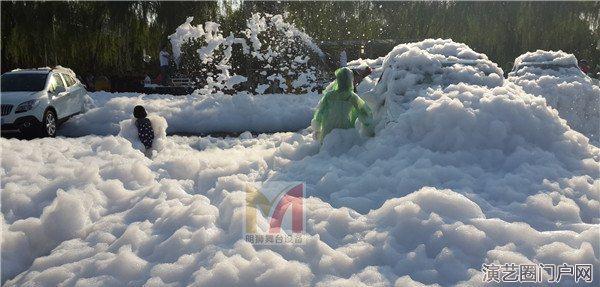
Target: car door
81,94
58,95
74,94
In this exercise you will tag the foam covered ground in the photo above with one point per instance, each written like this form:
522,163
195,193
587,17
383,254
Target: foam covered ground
466,174
197,113
96,211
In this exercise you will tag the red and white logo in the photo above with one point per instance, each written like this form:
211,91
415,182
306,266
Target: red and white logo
275,212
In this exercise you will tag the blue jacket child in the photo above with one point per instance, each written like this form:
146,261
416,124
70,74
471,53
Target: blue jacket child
144,126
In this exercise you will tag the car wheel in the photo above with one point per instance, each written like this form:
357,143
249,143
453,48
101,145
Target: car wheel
49,124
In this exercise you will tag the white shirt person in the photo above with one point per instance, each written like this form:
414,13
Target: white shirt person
343,59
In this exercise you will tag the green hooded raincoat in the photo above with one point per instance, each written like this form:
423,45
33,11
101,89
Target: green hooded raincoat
340,107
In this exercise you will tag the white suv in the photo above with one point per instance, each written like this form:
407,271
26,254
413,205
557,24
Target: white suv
36,101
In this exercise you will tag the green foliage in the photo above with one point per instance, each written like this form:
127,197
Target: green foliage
189,62
206,57
111,37
91,37
283,59
502,30
200,70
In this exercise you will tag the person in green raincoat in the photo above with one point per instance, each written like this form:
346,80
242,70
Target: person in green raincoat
340,107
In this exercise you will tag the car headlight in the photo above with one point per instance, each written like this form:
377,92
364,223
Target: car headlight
26,106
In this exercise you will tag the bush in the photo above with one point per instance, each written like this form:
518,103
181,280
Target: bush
283,58
270,56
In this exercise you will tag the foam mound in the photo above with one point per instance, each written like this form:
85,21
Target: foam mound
429,63
197,113
556,77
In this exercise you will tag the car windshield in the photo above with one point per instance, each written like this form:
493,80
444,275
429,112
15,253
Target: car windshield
545,66
21,82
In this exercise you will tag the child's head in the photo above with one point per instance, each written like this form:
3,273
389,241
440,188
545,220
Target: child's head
139,112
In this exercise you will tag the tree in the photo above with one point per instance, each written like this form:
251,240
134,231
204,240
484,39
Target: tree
280,57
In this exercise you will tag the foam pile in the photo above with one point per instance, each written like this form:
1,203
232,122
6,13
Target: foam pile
556,77
198,113
433,63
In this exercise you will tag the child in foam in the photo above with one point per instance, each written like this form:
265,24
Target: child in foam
341,108
147,133
144,126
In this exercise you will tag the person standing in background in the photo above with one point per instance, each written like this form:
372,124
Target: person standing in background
584,67
359,75
164,57
343,59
